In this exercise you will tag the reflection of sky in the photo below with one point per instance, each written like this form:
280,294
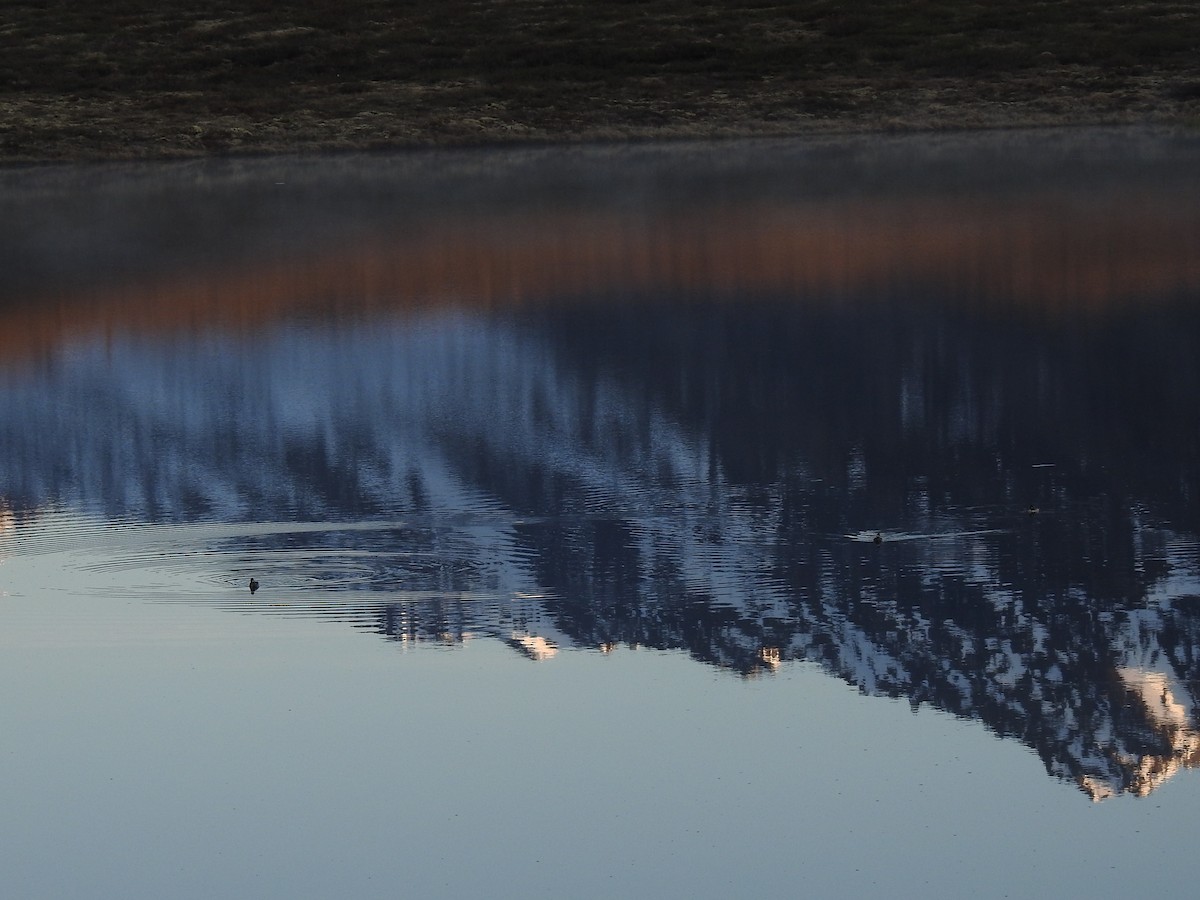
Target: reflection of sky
305,760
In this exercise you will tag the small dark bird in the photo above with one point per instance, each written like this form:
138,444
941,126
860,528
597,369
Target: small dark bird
1033,510
878,538
253,585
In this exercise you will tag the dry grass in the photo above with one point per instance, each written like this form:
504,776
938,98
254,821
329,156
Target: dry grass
141,78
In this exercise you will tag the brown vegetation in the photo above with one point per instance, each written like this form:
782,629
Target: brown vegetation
143,78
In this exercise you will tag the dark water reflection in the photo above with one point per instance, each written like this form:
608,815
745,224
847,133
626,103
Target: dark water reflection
681,422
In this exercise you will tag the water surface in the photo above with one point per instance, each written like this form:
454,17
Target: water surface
659,519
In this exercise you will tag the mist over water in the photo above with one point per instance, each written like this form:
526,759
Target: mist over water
919,417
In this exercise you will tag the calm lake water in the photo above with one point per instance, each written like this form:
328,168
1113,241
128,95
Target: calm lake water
680,521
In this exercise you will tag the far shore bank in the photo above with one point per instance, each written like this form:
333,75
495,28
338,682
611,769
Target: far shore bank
197,78
325,141
173,142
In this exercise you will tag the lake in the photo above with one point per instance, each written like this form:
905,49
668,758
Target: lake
686,520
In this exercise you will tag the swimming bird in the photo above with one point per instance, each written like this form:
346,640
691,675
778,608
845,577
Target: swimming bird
1033,510
878,538
253,585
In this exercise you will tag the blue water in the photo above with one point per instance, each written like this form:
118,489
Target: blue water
676,521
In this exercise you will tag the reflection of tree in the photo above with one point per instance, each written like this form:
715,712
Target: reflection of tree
685,476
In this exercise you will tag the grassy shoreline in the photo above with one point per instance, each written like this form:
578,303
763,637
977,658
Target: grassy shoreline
178,78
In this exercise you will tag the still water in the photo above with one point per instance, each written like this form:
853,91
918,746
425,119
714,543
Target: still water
808,518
